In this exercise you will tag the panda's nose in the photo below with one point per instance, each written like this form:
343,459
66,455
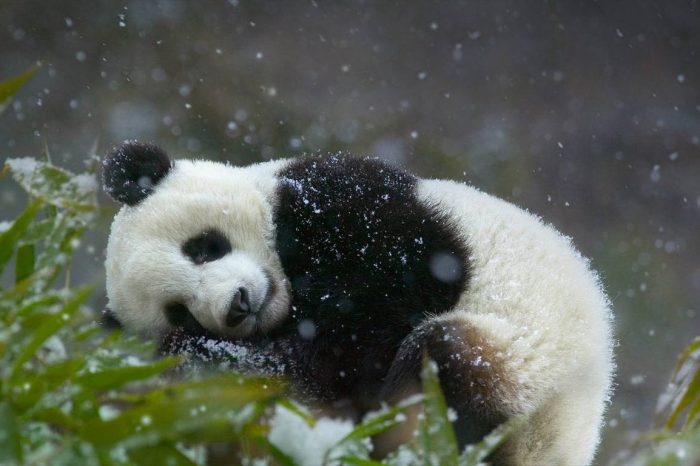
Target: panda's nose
239,308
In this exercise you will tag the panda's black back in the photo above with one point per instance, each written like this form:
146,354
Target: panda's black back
367,262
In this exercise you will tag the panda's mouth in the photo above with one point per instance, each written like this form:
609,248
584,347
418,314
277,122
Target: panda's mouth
179,316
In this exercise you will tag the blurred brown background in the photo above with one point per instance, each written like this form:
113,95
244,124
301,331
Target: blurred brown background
584,112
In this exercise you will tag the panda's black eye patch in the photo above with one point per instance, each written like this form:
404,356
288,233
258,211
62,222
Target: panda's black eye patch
207,246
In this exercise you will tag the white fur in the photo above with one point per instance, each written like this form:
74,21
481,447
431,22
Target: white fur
534,299
145,241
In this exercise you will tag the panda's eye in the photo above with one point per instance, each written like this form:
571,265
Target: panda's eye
208,246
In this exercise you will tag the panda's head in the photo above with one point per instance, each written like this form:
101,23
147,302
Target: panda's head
192,246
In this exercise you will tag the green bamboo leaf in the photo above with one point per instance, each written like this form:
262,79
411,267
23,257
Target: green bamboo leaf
57,252
20,291
114,377
692,348
299,412
154,423
50,326
88,331
24,262
669,449
360,461
160,455
10,447
692,392
10,237
10,87
24,330
257,388
38,231
55,186
42,383
479,452
281,457
26,397
675,394
202,410
31,307
55,417
54,374
375,425
436,434
693,419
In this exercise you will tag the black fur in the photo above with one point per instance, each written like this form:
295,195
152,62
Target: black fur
131,171
108,320
357,245
207,246
179,316
467,375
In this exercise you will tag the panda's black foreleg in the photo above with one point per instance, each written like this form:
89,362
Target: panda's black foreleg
468,373
108,321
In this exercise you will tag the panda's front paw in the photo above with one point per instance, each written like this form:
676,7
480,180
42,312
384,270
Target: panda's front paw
108,320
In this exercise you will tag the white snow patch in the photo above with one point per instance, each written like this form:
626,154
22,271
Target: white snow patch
655,174
451,415
54,350
107,412
308,445
637,379
404,456
24,166
133,361
231,355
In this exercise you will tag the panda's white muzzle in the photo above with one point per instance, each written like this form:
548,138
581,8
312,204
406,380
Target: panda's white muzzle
230,295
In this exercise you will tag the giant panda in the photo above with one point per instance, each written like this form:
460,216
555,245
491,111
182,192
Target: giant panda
354,269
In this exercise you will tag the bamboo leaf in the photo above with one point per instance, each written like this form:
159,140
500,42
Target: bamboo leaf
55,186
50,326
692,392
203,410
692,348
45,380
281,457
24,262
10,447
436,434
117,376
45,301
56,418
693,419
10,87
690,380
376,425
479,452
360,461
299,412
162,454
10,237
38,231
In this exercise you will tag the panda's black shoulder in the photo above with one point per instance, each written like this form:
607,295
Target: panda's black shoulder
355,229
341,196
361,178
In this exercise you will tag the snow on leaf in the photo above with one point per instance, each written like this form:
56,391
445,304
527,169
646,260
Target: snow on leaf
316,445
54,185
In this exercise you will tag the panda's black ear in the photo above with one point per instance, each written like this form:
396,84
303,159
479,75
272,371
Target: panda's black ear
131,171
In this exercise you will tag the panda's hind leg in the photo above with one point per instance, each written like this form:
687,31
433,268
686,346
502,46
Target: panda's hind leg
470,369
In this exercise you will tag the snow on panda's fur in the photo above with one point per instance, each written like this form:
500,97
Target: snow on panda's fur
353,269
